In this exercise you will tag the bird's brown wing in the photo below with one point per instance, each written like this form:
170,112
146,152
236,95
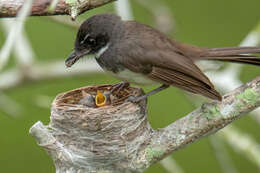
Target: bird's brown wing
183,81
150,52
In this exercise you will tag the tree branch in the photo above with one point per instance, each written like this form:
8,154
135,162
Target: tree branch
118,138
206,120
10,8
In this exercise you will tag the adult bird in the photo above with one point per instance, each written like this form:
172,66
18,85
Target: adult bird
137,53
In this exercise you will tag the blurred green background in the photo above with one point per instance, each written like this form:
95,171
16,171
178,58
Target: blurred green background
201,22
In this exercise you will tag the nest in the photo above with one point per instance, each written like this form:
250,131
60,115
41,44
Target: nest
98,137
83,96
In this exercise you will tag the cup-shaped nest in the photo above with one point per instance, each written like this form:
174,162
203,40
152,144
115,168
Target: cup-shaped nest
96,130
96,96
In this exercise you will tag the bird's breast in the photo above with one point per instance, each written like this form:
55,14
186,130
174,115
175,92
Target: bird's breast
122,73
132,77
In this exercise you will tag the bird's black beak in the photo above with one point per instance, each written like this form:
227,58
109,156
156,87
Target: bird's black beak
71,59
74,57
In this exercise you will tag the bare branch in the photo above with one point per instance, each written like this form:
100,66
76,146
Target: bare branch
123,9
242,143
14,33
10,106
231,74
22,47
118,138
9,8
163,15
40,71
170,165
222,155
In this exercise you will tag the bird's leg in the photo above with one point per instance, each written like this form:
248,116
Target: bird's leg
119,86
137,99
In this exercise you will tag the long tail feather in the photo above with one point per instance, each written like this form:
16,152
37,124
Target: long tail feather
253,60
229,51
234,54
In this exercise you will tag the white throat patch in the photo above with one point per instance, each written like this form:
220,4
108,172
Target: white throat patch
101,51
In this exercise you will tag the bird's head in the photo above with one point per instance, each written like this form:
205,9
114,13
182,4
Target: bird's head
93,35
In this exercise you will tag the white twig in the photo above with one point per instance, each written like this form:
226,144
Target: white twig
123,9
222,155
14,33
22,47
9,106
170,165
162,15
242,143
231,74
40,71
24,55
252,39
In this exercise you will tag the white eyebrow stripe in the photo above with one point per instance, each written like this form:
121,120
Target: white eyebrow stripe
84,39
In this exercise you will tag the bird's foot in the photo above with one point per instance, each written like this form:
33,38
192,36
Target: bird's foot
142,97
119,86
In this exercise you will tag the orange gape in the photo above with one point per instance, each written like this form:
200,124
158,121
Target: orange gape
100,99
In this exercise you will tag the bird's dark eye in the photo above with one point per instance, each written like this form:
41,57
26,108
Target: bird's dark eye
91,41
